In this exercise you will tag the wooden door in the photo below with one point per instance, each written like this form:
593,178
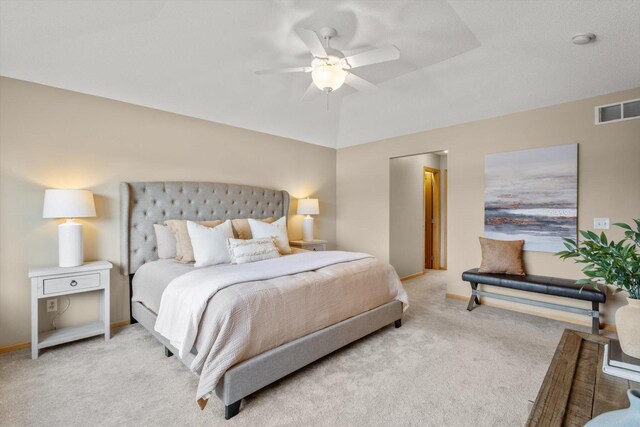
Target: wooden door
428,220
431,218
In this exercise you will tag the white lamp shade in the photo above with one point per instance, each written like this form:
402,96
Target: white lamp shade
308,207
68,204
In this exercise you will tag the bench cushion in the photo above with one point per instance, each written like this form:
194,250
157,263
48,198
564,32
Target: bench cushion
538,284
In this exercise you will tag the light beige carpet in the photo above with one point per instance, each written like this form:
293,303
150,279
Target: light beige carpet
445,366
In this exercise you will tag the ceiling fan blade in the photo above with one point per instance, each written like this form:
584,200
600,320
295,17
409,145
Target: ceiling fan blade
285,70
311,92
313,42
359,84
373,56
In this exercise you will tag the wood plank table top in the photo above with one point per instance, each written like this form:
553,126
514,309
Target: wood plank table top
575,389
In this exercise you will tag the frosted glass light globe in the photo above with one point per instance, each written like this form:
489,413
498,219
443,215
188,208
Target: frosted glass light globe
328,77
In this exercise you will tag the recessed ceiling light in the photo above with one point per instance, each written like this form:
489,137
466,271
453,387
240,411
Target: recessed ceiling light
446,151
583,38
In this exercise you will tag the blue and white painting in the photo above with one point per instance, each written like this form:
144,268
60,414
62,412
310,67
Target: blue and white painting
532,195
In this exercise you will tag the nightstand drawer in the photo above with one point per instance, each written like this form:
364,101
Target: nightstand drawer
319,247
65,284
309,245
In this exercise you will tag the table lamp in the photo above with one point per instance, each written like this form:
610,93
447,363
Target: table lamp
308,207
69,204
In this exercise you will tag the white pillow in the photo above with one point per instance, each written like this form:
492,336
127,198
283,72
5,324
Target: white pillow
210,244
251,250
277,230
165,241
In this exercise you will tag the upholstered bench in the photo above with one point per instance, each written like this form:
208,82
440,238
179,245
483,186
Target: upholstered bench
540,285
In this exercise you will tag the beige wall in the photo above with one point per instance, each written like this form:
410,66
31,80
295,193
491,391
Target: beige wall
609,179
56,138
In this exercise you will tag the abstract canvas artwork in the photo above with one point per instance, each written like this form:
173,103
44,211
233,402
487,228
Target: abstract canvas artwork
532,195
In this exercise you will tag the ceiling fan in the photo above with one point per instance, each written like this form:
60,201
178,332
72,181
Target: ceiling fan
330,68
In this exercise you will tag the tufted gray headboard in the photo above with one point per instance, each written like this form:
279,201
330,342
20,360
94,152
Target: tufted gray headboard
143,204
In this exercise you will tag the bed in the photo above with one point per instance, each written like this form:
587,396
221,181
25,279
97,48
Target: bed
253,366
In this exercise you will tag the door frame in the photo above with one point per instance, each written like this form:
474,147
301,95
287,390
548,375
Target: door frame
444,221
435,244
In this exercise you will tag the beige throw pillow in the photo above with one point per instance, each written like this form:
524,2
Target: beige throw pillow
184,250
242,230
252,250
501,256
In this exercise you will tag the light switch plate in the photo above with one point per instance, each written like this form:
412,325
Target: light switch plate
601,223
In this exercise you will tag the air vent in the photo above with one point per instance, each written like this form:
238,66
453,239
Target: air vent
617,112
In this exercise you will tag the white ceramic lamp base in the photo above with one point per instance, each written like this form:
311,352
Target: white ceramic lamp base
307,229
70,244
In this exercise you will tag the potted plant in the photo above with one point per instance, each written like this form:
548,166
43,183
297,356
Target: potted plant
616,264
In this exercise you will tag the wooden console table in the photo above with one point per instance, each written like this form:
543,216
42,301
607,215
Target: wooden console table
575,389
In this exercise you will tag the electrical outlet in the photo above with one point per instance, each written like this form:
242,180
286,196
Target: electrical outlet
601,223
52,305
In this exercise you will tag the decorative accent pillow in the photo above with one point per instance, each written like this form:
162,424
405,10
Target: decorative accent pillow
501,256
184,250
241,228
277,230
210,243
165,241
243,251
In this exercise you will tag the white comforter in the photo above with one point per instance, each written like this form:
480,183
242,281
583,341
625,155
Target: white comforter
249,315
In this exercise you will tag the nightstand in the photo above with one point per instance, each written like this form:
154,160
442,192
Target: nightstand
53,282
311,245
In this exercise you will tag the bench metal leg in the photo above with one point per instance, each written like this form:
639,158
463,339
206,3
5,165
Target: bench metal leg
595,320
594,313
474,297
232,410
167,352
471,301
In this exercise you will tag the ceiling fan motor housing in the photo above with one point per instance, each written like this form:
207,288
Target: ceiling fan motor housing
334,53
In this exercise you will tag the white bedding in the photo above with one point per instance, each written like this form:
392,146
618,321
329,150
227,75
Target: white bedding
152,278
234,312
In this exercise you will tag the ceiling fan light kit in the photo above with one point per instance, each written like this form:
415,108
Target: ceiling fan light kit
330,69
327,76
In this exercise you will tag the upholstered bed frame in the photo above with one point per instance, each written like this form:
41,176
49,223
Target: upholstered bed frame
143,204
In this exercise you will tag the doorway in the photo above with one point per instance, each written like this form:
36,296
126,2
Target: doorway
431,218
417,213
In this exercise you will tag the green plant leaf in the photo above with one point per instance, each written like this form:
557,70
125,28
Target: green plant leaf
605,261
584,233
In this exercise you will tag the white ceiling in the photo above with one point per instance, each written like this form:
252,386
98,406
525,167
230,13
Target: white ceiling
461,60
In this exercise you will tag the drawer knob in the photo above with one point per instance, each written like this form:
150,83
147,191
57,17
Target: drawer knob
315,249
73,283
